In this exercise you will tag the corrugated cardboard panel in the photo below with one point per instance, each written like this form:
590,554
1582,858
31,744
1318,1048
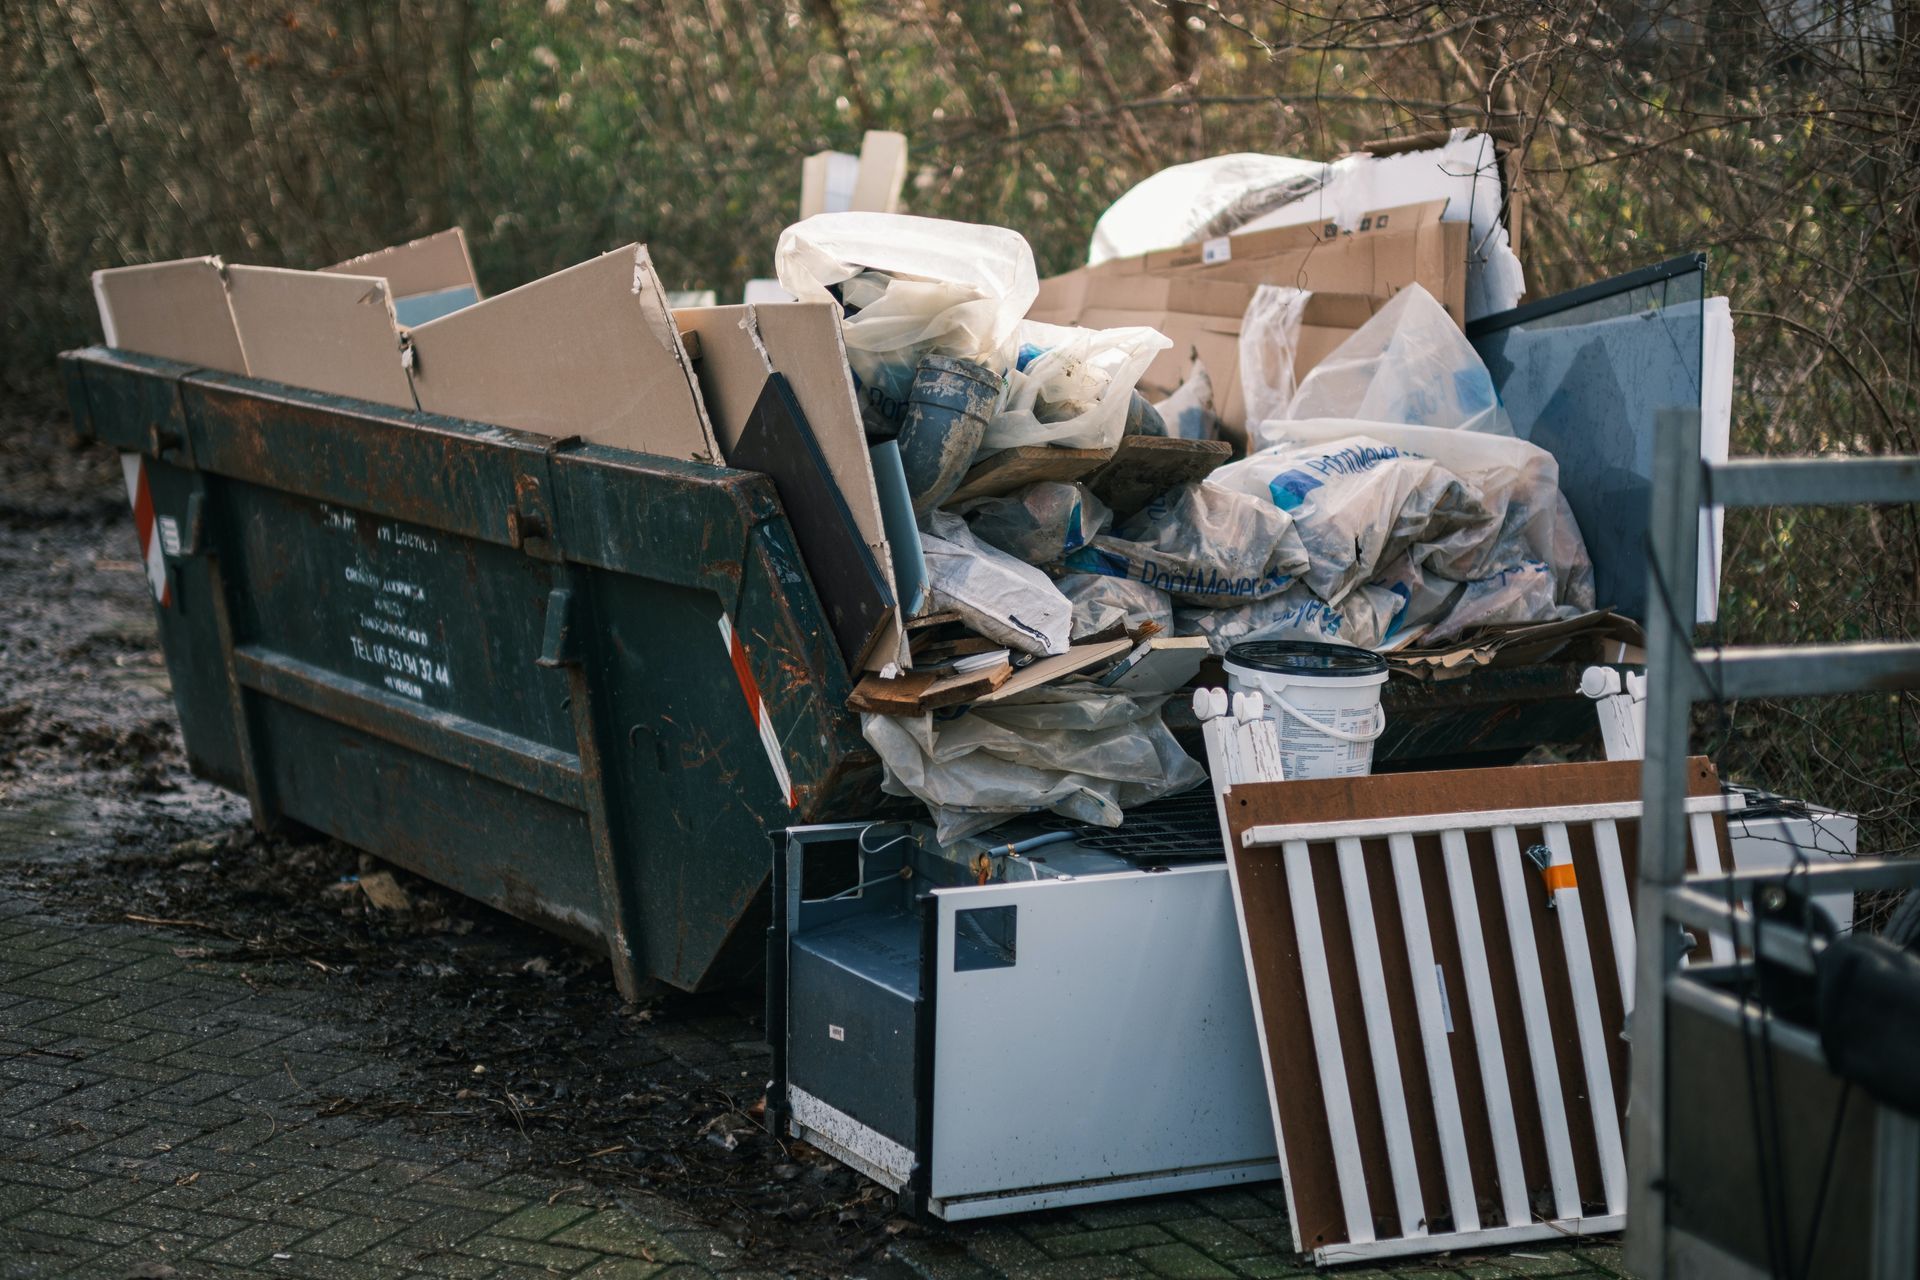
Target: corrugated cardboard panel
176,310
883,168
427,265
332,333
739,346
591,351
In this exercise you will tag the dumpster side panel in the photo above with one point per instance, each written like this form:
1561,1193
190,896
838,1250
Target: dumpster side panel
502,845
578,683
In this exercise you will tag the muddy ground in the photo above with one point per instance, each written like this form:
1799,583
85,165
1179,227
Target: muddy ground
100,819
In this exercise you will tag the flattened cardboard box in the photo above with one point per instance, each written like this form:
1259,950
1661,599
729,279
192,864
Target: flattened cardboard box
175,310
591,351
739,347
429,277
331,333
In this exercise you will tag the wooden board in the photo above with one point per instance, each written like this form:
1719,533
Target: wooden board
1274,973
1023,465
921,691
776,440
1144,467
1035,674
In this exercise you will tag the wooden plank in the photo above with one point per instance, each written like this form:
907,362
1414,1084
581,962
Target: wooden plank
1023,465
776,440
1035,674
1144,467
921,691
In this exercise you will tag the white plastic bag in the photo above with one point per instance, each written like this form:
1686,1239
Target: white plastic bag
1070,386
1516,481
1041,523
996,595
1081,751
1101,603
1199,199
1202,544
1363,619
1357,501
1269,345
1188,413
1409,363
910,287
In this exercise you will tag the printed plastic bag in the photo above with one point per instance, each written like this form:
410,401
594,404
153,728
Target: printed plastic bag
1081,751
1410,363
909,287
1070,386
1364,619
1521,593
1357,502
996,595
1203,544
1188,413
1269,345
1100,603
1517,482
1041,523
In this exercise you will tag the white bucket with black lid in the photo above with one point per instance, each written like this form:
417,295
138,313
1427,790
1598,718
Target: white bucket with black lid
1324,700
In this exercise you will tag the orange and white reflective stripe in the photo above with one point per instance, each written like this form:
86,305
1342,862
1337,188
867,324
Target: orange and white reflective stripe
147,527
757,707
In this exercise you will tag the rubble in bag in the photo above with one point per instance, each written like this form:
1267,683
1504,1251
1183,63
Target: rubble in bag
1522,593
994,594
1040,524
909,287
1077,750
1517,482
1355,503
1188,414
1072,387
1101,603
1364,619
1425,599
1203,544
1410,363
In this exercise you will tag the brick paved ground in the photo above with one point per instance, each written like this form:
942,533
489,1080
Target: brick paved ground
160,1110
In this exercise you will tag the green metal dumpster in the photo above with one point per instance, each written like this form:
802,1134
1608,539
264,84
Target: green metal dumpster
575,682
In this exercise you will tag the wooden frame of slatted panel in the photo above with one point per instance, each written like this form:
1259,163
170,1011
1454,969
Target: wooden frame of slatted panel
1585,955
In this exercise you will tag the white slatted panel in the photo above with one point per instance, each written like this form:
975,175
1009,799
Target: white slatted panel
1586,1017
1380,1043
1429,1001
1486,1030
1351,1176
1613,889
1510,867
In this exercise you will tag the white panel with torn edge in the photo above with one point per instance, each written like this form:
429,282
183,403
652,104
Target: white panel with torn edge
590,351
176,310
332,333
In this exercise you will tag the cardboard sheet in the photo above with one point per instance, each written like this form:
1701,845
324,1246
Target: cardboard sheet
591,351
321,331
431,264
778,442
739,346
176,310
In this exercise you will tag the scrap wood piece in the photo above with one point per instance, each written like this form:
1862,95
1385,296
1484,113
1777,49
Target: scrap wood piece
1144,467
384,892
1047,670
1023,465
921,691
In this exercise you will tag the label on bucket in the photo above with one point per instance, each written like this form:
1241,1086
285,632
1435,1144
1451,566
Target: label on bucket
1311,754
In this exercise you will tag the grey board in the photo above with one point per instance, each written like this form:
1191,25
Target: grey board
1584,375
